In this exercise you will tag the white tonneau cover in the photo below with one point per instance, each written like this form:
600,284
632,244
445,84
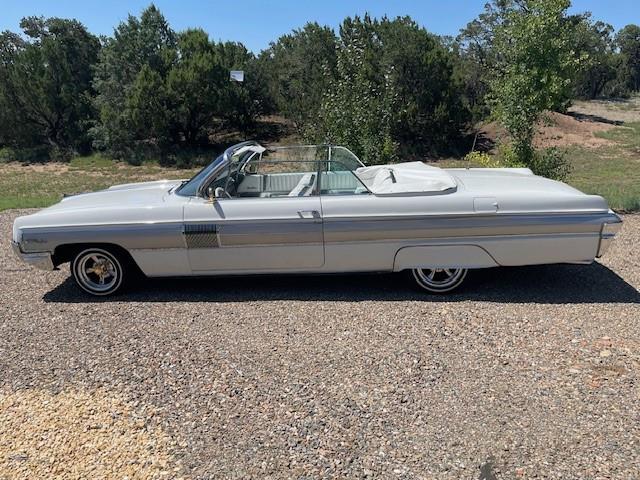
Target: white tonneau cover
405,178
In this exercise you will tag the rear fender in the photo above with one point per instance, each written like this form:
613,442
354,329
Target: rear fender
443,256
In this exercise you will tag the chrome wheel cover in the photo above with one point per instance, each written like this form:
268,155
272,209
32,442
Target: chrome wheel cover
97,271
439,280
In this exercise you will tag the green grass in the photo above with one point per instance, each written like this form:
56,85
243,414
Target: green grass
95,161
24,186
611,171
627,137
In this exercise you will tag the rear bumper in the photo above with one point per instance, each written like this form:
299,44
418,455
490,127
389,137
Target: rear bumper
608,232
41,260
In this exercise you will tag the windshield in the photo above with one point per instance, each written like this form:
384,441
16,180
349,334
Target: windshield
341,158
332,158
190,188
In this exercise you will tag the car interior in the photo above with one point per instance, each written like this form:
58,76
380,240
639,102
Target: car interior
257,177
297,184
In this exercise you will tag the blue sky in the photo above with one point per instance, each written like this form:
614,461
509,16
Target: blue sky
257,22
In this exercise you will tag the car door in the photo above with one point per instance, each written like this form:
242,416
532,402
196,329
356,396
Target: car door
270,222
349,236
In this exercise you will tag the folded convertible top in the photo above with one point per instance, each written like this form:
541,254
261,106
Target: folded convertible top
404,178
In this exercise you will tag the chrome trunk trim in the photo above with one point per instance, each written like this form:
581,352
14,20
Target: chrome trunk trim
607,233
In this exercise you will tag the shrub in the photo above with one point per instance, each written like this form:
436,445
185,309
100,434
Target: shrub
482,159
60,154
509,157
506,158
37,154
551,163
7,155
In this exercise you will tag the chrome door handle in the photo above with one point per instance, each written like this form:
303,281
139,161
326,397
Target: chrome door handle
309,214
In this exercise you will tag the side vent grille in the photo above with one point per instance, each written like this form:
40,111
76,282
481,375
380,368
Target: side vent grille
201,236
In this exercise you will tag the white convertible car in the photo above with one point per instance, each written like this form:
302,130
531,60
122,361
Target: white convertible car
316,209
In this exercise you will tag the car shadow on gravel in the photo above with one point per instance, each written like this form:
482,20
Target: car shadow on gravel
551,284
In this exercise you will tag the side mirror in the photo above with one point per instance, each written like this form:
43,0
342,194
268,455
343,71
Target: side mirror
211,194
219,192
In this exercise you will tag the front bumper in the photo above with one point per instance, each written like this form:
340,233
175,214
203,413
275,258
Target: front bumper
41,260
607,234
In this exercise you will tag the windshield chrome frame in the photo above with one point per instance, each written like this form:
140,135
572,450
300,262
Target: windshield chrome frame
226,158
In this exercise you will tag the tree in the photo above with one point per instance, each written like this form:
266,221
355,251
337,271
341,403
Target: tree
158,90
477,58
591,42
299,67
594,42
394,92
194,86
357,110
137,43
146,108
429,114
243,101
535,67
45,85
628,41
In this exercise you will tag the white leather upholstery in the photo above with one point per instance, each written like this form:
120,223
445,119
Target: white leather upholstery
304,186
281,182
340,181
294,184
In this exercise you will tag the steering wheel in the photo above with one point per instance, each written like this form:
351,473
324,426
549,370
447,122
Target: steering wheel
230,188
221,192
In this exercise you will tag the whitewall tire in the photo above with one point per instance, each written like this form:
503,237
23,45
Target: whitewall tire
439,280
98,271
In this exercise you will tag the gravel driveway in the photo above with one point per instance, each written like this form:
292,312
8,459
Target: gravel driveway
526,373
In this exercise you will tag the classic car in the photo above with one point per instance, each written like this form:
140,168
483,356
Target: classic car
316,209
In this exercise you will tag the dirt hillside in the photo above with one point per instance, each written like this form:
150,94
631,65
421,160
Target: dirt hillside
560,130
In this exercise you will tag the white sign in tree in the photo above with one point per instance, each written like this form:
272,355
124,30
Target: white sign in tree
237,76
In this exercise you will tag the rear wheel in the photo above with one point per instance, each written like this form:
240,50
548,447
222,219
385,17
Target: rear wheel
439,280
99,271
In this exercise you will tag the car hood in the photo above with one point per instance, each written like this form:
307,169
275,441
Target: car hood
130,194
130,203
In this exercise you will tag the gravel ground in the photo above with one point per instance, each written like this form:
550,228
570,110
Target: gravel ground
527,373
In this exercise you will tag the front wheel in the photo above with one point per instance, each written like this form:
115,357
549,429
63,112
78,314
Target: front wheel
439,280
98,271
